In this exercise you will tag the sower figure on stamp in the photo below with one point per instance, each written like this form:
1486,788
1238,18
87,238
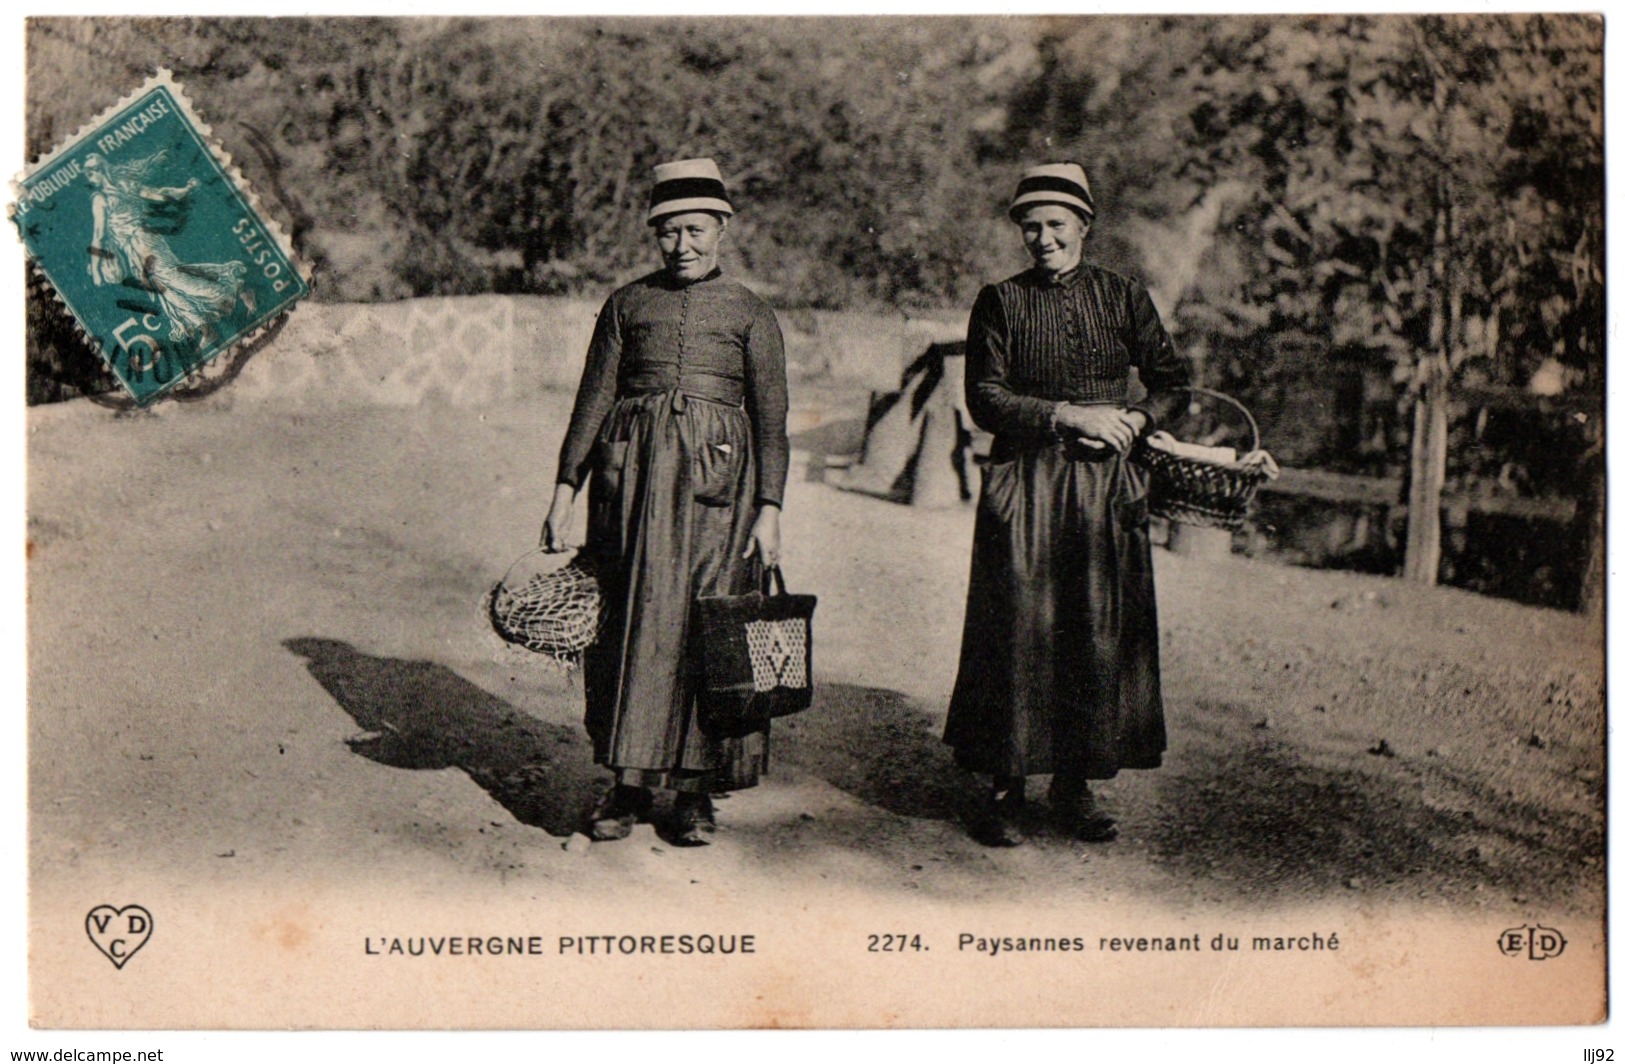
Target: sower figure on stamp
1058,670
126,244
680,419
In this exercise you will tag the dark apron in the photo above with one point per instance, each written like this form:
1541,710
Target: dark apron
1058,667
671,508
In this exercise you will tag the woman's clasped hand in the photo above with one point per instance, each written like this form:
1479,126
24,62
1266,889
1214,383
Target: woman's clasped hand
1100,424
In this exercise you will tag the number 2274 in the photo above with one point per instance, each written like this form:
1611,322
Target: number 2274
896,944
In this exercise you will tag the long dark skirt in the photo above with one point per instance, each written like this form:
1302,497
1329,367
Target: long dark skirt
1058,668
671,507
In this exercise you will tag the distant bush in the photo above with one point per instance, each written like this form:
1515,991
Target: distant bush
1322,205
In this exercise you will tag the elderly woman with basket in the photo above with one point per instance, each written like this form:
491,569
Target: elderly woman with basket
1058,671
680,420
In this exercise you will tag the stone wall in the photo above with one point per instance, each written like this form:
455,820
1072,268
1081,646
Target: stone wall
473,350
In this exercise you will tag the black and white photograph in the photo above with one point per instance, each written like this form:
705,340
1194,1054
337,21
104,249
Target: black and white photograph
735,522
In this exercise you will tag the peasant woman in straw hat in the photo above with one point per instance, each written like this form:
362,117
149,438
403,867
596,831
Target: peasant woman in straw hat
679,430
1058,671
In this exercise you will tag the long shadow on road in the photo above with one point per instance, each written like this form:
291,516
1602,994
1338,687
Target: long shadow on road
877,746
1256,820
1232,815
420,715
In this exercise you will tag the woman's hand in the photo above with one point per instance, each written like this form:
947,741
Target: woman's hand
1101,424
556,535
764,537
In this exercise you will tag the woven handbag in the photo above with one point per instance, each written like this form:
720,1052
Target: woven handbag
550,609
1197,492
755,651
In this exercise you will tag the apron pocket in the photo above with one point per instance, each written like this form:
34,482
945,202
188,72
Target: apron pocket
609,461
716,473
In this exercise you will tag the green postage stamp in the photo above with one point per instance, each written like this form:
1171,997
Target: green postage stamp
154,241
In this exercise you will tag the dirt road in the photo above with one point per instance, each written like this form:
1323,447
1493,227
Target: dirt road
222,595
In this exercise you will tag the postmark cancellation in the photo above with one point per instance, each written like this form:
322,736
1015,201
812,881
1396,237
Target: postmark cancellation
154,242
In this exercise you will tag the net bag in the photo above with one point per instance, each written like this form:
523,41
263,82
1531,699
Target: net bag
1194,491
554,611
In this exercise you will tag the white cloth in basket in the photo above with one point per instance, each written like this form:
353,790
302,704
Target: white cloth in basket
1225,456
1216,455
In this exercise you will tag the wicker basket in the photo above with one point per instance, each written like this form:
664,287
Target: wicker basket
556,611
1195,492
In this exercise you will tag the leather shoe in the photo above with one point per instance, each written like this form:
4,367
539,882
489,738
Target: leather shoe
1079,814
998,821
693,820
618,812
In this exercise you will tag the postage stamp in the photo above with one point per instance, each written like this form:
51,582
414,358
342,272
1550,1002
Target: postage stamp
153,240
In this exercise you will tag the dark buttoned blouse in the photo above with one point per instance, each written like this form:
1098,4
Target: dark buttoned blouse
710,339
1037,340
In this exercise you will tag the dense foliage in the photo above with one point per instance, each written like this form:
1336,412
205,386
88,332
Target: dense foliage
1326,207
1345,153
1339,215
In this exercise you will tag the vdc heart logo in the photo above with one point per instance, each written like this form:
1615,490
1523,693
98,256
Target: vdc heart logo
119,933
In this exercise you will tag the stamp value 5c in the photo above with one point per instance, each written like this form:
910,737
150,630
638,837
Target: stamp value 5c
154,241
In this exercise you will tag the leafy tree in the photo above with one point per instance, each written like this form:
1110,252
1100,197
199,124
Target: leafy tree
1422,196
1324,206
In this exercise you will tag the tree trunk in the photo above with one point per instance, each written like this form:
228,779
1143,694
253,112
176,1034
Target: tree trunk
1430,435
1423,540
1593,510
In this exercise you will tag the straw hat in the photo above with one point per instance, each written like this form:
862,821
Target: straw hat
688,185
1062,183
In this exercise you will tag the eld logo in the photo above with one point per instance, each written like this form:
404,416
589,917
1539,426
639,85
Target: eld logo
1537,943
118,933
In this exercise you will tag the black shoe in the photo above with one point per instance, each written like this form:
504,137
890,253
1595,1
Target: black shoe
1076,811
693,820
998,820
618,812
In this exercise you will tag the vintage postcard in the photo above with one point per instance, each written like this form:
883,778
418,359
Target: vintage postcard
815,523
